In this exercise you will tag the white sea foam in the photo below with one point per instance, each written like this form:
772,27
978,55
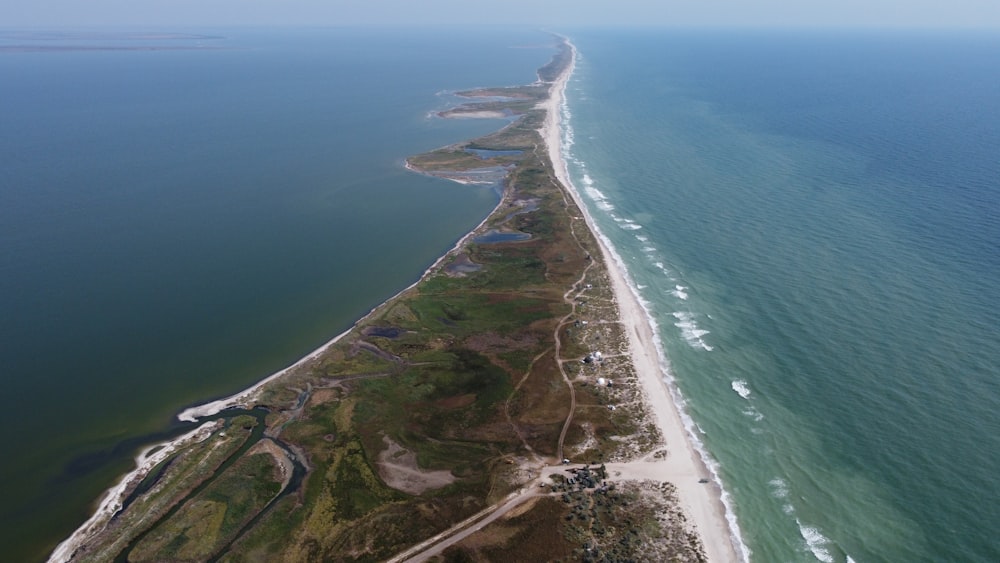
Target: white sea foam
631,225
743,551
740,386
690,330
693,431
597,196
753,413
816,542
588,180
567,140
679,292
779,488
642,238
647,249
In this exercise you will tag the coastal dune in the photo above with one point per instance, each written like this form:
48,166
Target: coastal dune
684,467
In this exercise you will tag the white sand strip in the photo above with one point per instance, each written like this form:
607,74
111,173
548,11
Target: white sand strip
147,459
245,397
145,462
684,467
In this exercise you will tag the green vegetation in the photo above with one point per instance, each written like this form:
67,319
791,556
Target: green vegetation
172,482
205,524
453,384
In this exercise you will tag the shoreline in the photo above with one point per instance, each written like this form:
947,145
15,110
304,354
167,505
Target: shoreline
240,399
705,504
113,497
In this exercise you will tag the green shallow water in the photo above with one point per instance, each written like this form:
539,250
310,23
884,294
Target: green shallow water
812,221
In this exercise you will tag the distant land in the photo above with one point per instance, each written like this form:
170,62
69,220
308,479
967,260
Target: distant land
99,36
35,41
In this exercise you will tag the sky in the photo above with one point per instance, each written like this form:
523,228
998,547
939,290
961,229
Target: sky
554,14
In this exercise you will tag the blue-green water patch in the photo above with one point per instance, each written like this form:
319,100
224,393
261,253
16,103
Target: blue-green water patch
814,231
491,153
494,237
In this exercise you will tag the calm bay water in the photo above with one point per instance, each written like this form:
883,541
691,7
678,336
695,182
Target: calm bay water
813,222
177,224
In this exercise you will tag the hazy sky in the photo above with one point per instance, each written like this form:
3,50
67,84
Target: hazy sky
550,13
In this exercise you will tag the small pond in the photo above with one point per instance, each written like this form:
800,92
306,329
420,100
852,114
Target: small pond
493,237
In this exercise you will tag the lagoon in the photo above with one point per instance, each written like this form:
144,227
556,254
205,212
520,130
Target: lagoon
177,224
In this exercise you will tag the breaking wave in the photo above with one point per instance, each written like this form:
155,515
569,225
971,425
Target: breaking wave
690,331
694,433
740,386
816,542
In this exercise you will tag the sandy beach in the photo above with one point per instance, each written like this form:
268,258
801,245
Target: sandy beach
684,467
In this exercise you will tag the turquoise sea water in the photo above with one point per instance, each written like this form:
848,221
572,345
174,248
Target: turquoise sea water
178,223
813,221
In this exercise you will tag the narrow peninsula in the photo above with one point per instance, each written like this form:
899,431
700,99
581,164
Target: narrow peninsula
508,406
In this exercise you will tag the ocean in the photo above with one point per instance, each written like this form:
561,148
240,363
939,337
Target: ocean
181,216
813,222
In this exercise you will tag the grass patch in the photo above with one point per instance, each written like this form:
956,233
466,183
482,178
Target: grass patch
205,524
